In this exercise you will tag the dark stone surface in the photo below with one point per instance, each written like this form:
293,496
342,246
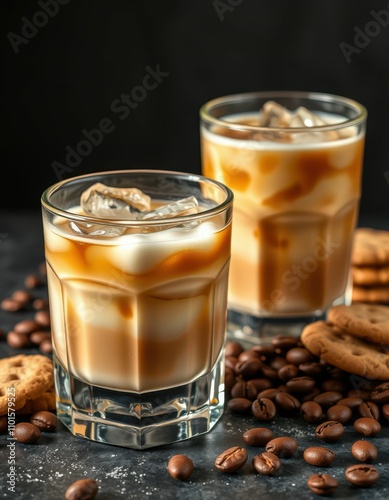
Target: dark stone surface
44,470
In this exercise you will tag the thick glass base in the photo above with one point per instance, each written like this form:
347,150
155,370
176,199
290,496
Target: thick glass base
250,330
144,420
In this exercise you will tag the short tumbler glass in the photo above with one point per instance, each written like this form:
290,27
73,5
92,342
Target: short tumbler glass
296,197
138,310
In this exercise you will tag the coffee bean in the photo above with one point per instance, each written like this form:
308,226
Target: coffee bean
329,398
39,336
361,475
269,393
340,413
329,431
46,346
39,304
44,420
11,305
42,318
26,433
248,356
298,355
312,369
322,484
180,467
287,372
83,489
287,403
364,451
251,368
300,385
283,446
367,426
380,394
22,296
26,326
264,351
32,281
266,463
18,340
283,343
239,390
369,409
258,436
231,459
263,409
322,457
352,403
311,412
240,406
233,348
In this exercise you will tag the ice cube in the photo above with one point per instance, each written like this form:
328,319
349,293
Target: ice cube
85,229
274,115
109,202
185,206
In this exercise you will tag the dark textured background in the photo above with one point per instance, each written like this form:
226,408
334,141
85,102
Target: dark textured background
70,72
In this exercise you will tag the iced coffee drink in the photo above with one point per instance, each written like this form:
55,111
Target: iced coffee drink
294,162
138,267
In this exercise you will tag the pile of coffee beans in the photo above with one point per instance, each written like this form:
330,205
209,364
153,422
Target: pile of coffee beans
33,332
284,378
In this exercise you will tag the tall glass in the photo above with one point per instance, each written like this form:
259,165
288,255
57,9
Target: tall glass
138,309
296,197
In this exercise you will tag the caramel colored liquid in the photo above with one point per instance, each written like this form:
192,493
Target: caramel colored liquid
138,312
295,209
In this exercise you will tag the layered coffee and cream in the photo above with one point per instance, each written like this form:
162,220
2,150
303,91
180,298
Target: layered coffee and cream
296,200
138,307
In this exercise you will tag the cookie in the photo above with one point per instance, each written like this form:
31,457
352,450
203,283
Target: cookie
370,247
370,276
347,352
23,378
45,401
368,321
372,295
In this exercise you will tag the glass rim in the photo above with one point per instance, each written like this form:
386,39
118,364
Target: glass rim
206,108
55,210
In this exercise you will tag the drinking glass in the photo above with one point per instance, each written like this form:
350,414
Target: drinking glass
296,180
138,304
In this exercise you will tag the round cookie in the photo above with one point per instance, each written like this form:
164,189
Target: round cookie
345,351
370,247
22,378
368,321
